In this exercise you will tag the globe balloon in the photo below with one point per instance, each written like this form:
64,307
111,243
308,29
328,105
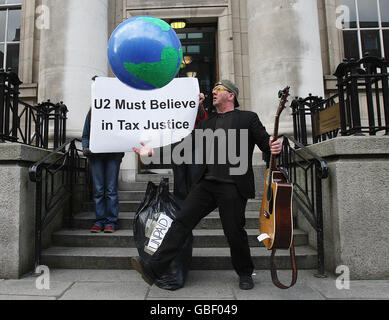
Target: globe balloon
145,53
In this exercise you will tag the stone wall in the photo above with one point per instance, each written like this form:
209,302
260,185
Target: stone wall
17,210
355,206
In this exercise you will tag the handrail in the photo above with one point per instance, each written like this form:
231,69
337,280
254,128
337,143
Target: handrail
56,176
36,166
323,169
306,170
28,124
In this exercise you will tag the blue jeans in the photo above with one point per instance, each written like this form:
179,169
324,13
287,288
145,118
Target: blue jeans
105,174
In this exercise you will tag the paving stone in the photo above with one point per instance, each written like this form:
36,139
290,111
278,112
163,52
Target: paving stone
28,287
198,286
359,289
106,291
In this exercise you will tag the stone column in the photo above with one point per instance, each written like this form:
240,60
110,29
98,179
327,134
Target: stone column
355,206
73,50
284,49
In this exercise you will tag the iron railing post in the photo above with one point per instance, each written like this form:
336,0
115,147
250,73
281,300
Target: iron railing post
2,107
319,224
13,83
369,98
38,217
56,126
71,180
46,124
385,95
357,127
38,127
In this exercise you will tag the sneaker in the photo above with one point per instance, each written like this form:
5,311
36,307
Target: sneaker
96,229
138,265
109,229
246,282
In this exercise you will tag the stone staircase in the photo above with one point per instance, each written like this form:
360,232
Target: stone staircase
77,248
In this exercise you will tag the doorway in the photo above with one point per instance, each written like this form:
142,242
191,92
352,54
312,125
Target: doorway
198,42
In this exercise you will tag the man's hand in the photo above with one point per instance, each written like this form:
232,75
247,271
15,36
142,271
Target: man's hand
145,151
86,152
201,98
275,146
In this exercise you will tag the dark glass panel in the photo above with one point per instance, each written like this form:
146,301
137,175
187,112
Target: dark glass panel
351,44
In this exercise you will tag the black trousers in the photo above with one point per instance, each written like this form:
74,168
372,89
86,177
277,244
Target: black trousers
205,197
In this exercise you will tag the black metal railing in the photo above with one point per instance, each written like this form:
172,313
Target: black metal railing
306,119
43,125
56,177
360,107
369,76
305,171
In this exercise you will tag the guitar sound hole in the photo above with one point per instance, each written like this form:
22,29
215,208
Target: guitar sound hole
269,195
271,206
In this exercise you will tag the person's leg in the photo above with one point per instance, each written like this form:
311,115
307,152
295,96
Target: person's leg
112,168
180,190
97,171
232,208
199,203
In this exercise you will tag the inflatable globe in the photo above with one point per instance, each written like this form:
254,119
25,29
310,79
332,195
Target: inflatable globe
145,53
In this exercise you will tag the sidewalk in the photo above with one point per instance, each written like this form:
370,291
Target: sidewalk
200,285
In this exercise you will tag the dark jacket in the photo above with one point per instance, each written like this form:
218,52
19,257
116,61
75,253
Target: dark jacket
86,138
257,135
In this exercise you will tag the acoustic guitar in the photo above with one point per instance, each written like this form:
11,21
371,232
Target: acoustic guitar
275,216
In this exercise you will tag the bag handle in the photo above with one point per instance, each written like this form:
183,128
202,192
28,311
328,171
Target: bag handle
273,269
163,189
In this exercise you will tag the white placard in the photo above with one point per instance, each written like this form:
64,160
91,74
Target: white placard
123,117
158,234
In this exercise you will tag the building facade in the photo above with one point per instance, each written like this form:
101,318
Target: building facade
56,47
261,45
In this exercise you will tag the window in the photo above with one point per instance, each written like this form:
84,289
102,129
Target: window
199,47
366,28
10,22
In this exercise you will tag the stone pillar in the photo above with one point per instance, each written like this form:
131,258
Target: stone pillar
355,206
17,209
284,49
73,50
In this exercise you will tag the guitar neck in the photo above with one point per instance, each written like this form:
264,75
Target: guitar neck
273,166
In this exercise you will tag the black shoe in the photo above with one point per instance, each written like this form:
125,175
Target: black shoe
246,282
139,266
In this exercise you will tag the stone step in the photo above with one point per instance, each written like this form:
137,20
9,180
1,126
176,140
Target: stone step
125,238
85,220
203,258
139,195
129,206
138,185
156,178
133,195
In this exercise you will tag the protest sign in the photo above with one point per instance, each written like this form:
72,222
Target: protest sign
123,117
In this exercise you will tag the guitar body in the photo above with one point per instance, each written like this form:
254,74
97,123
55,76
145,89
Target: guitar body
275,216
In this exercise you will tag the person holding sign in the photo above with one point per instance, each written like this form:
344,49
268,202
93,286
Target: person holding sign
184,173
218,184
105,172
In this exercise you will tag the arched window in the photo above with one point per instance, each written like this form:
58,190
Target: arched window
365,28
10,22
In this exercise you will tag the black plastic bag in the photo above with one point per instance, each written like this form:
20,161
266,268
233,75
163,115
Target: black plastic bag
151,223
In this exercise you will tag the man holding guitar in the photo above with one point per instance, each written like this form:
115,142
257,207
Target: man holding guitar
215,187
